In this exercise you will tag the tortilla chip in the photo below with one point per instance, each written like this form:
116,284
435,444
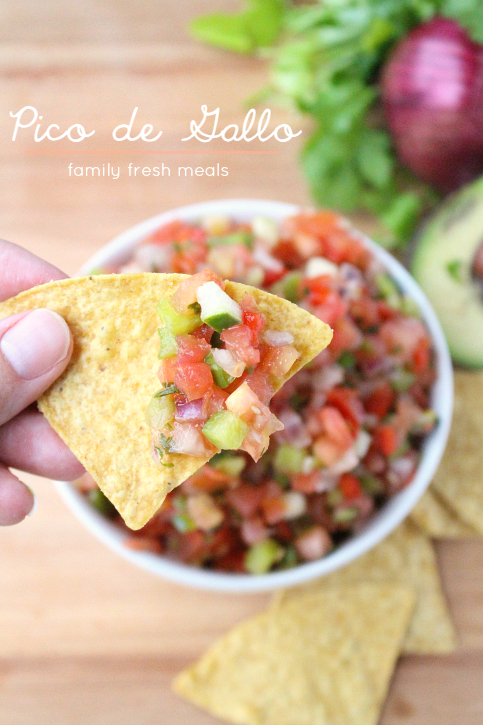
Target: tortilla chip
459,478
433,516
406,557
322,658
97,406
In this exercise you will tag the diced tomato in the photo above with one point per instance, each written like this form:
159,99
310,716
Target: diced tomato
192,547
306,482
348,403
272,276
284,532
191,349
385,311
185,295
273,508
279,360
252,318
246,499
350,486
287,252
176,231
259,383
167,370
386,439
336,438
193,379
380,401
233,562
318,288
347,336
365,311
208,479
327,451
421,356
317,225
238,340
144,543
340,246
205,332
244,403
188,257
214,400
331,309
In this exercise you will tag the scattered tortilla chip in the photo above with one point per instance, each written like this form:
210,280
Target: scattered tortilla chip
407,557
433,516
97,406
459,478
322,658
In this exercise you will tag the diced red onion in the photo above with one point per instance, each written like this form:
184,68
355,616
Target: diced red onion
229,362
266,260
190,410
327,378
278,338
294,431
153,257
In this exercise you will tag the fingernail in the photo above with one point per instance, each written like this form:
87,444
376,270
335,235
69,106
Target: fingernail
36,343
34,507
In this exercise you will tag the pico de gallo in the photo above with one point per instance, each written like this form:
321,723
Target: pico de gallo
354,419
218,362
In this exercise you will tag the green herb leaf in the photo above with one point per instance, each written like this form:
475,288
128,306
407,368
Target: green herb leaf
168,390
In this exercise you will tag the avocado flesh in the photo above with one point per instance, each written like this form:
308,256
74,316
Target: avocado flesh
451,239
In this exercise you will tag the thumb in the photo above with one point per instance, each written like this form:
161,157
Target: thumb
35,348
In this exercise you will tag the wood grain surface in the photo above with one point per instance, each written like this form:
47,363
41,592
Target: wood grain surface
85,638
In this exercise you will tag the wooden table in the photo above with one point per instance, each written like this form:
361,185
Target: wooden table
85,638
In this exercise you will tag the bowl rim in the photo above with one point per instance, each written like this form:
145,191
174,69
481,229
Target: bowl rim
384,521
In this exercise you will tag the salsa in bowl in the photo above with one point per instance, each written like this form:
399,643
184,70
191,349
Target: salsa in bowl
365,423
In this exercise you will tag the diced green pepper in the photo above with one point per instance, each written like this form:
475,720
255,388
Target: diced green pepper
289,459
344,514
225,430
388,290
230,240
262,556
230,464
401,380
168,346
160,411
177,324
183,523
221,378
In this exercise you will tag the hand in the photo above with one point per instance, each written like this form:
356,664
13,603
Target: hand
35,348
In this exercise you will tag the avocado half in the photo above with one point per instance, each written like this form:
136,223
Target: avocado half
443,265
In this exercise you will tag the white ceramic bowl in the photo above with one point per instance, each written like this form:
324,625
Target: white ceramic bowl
387,519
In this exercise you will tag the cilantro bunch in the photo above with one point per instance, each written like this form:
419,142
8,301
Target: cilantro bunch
326,58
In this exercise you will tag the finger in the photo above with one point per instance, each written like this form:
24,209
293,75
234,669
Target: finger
16,499
22,270
29,443
35,348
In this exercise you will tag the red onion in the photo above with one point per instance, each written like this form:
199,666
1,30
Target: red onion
190,410
432,90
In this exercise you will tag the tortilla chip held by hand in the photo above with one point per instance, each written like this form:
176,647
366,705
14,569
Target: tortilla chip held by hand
98,405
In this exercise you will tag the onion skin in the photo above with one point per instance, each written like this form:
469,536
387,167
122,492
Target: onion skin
432,92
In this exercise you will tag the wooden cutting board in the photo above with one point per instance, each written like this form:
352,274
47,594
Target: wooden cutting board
85,638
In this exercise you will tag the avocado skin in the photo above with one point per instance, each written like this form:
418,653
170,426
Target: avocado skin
451,238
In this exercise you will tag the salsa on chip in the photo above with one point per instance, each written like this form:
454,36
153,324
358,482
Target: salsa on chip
221,352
